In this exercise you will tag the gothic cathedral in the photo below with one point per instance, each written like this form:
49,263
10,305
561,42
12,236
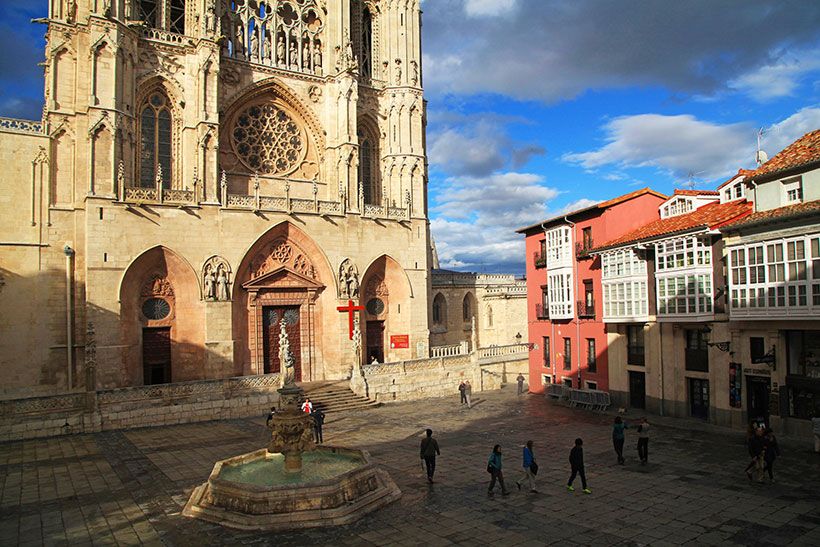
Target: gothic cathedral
207,174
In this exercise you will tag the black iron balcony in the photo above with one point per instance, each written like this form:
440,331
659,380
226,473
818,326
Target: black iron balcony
542,312
586,309
582,249
540,259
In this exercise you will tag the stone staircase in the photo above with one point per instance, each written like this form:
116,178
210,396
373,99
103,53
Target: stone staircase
335,397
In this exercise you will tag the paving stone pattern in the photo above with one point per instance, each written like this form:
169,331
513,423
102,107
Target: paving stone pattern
128,487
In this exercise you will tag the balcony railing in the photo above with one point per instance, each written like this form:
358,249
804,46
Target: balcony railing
586,309
542,312
582,249
540,259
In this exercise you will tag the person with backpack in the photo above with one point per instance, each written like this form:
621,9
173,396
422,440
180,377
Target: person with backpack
530,468
494,469
576,462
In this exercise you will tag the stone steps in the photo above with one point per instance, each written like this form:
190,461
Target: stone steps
335,397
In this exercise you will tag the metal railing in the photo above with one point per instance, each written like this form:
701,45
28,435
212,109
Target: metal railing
582,249
586,309
539,259
542,311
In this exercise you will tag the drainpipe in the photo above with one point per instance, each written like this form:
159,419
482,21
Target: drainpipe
754,187
573,301
663,397
69,315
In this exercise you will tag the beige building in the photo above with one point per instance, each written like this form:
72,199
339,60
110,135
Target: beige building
205,173
497,303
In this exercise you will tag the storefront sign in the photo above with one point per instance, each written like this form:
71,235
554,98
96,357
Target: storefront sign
735,385
399,341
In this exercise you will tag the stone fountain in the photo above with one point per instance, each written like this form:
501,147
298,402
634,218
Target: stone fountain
293,483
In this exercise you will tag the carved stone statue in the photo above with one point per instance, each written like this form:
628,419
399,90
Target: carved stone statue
210,18
415,72
398,71
280,50
222,285
210,284
317,58
294,57
305,55
348,279
255,44
239,46
288,373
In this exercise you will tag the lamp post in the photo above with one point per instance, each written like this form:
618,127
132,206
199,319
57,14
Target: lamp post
518,338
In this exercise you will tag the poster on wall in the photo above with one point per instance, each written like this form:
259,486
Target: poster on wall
735,385
399,341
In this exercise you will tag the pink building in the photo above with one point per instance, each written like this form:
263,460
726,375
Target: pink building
564,288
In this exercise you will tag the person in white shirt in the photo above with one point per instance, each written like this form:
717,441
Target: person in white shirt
307,406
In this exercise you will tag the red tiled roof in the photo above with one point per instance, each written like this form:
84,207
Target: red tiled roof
740,172
679,192
774,215
602,205
803,151
712,215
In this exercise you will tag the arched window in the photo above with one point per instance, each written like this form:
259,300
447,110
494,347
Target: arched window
439,310
155,141
369,167
467,308
489,316
367,44
163,14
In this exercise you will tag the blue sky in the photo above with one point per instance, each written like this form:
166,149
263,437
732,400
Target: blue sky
537,107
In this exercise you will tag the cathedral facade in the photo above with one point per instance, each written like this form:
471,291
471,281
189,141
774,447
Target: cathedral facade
209,173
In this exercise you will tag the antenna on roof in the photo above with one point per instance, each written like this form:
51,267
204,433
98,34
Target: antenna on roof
690,182
760,156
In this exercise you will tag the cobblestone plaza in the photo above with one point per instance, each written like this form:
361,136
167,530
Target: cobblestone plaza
128,487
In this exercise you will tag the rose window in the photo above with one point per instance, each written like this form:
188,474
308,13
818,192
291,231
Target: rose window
267,140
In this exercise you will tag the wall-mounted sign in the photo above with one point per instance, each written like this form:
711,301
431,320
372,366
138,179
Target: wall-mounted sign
399,341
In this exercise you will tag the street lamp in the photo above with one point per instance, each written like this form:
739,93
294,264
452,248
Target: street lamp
518,338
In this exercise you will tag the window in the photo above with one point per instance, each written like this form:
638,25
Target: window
591,357
542,308
155,140
697,351
560,295
624,285
467,308
779,275
559,252
163,14
489,316
803,353
683,253
757,349
587,307
685,294
439,310
587,238
567,382
592,385
366,59
635,345
545,341
677,206
567,353
369,166
792,191
540,258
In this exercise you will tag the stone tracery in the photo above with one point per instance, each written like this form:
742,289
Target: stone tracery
281,253
267,140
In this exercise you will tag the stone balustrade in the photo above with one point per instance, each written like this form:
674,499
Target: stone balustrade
503,351
14,125
449,350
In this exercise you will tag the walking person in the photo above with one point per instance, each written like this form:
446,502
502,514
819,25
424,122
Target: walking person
318,422
530,468
461,390
771,450
756,447
428,450
576,462
494,468
618,438
468,393
643,441
520,380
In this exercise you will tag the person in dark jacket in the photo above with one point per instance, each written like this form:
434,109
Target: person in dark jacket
756,446
461,389
771,451
428,450
576,461
318,422
618,438
494,467
271,414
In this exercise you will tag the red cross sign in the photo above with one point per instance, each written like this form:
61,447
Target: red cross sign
350,309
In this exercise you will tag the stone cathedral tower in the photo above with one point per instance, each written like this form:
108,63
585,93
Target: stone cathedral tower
207,171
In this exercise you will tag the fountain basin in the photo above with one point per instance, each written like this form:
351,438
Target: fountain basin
254,492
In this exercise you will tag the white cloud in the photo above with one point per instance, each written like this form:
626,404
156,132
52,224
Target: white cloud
484,8
476,219
582,203
678,144
778,79
783,133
